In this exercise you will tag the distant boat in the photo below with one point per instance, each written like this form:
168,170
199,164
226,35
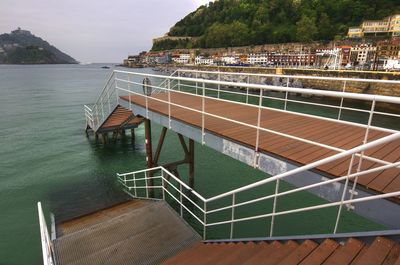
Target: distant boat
105,67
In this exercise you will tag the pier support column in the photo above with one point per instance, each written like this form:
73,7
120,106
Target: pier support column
133,135
149,153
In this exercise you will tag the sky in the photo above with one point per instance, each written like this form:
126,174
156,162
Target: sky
96,30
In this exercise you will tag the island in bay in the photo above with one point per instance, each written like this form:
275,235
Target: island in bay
22,47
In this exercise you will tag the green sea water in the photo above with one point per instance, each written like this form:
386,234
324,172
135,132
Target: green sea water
45,156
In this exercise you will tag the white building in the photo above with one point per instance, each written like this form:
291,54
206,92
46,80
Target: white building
182,59
230,59
200,60
257,59
363,53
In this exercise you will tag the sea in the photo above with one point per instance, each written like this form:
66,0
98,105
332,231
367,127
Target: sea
46,156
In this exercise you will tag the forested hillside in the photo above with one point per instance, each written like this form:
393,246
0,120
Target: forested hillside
229,23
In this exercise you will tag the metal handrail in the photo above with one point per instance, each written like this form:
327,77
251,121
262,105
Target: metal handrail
294,76
257,127
125,180
47,246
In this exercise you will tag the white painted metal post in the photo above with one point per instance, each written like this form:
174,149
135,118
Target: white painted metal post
205,220
180,199
371,114
202,114
129,88
163,184
169,103
343,194
271,230
179,82
247,90
108,101
286,94
341,100
134,183
256,154
147,100
233,214
196,82
116,91
219,85
147,188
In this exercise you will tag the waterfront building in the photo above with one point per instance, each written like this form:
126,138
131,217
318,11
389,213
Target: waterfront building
200,60
362,55
389,26
157,58
183,58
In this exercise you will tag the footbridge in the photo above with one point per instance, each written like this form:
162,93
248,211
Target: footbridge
338,145
342,147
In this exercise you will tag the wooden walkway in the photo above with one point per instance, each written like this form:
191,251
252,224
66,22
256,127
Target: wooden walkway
326,132
329,252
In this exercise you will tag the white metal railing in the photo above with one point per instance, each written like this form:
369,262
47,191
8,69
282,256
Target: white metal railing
134,88
200,208
47,245
108,99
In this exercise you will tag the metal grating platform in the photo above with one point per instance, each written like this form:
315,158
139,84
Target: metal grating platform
147,235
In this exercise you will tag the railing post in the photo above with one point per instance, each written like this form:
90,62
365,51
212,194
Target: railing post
179,82
116,91
147,184
108,101
247,90
256,154
134,183
169,103
219,85
163,184
97,116
202,114
196,83
286,94
233,214
147,100
271,230
180,199
205,220
341,100
102,110
129,88
344,194
371,114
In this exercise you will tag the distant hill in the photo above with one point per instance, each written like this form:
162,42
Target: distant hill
22,47
230,23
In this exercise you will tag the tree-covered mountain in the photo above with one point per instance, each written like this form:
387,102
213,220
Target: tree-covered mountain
22,47
229,23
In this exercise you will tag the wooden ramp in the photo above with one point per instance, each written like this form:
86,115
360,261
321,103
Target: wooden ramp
322,131
120,118
308,252
138,232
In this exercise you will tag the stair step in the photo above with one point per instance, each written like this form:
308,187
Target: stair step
152,234
321,253
299,253
345,253
393,256
377,252
243,253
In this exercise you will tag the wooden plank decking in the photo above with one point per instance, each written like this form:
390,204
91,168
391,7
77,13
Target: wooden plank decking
327,132
120,118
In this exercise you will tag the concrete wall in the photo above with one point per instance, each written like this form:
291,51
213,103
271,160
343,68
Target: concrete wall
355,87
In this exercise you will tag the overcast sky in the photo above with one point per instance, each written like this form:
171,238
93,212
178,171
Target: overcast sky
95,30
